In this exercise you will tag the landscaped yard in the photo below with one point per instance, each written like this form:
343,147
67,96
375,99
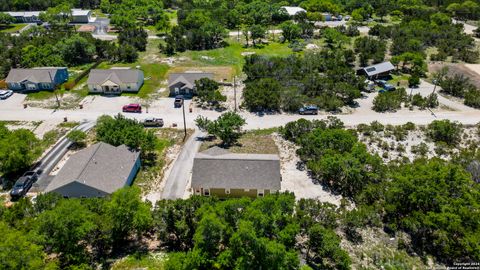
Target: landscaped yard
12,28
252,142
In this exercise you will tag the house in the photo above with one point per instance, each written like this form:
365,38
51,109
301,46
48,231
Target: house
184,83
25,16
292,11
35,79
377,71
96,171
115,80
81,16
78,16
221,173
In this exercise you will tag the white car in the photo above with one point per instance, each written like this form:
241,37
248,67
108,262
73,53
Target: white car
4,94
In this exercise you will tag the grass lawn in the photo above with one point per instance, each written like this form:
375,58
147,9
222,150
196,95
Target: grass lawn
232,55
12,28
149,261
403,79
252,142
40,95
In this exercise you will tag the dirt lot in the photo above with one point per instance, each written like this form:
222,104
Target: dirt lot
471,71
221,73
252,142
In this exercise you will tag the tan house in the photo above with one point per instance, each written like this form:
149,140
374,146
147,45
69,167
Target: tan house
223,174
115,80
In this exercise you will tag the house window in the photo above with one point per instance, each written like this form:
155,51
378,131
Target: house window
246,190
206,191
198,192
177,91
128,87
260,193
227,191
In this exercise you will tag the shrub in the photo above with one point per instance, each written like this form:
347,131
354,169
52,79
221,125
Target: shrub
389,101
445,131
472,98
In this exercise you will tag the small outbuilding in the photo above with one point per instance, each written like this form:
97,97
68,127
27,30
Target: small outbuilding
292,11
81,16
377,71
184,83
115,80
218,172
25,16
35,79
96,171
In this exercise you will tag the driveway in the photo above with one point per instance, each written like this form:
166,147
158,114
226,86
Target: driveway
181,172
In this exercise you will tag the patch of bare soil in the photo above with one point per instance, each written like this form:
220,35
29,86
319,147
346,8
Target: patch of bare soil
470,71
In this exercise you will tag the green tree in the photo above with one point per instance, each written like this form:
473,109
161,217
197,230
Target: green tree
445,131
128,214
257,32
76,50
290,31
18,149
77,137
262,94
66,229
17,251
227,127
208,91
6,19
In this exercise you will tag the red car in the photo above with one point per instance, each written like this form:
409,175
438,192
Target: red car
135,108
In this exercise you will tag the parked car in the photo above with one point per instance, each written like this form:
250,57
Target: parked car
4,94
381,83
347,18
389,87
313,110
153,122
23,184
135,108
178,102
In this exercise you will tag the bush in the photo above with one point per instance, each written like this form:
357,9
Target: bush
413,81
472,98
445,131
389,101
77,137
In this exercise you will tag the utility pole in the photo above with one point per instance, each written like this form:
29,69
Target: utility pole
184,121
434,85
235,91
54,89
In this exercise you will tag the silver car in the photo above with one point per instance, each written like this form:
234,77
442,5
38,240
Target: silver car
4,94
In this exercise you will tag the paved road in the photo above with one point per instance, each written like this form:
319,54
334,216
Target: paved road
50,160
182,168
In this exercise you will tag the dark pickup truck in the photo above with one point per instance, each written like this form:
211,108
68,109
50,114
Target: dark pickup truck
23,184
178,102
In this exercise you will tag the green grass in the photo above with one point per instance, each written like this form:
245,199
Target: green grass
40,95
232,54
12,28
154,75
98,13
141,261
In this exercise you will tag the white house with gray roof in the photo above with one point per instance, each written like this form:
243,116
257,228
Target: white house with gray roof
218,172
115,80
184,83
96,171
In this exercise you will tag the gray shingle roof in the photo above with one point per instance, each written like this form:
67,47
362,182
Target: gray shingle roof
378,68
216,168
118,76
101,166
187,78
36,75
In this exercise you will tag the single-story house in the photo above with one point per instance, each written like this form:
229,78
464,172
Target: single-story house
96,171
34,79
115,80
377,71
78,16
292,11
25,16
81,15
218,172
184,83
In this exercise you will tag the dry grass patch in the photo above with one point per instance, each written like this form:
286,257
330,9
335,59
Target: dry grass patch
221,72
251,142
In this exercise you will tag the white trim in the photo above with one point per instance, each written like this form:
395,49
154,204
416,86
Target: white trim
206,192
227,191
260,192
